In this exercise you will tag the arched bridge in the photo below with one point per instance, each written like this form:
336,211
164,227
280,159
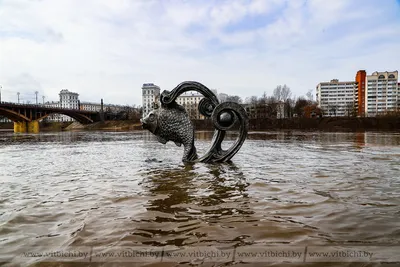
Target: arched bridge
26,117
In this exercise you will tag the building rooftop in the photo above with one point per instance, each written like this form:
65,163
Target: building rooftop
382,72
65,91
149,85
336,81
191,94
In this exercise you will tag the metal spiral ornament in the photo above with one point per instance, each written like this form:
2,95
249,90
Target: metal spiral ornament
206,107
225,116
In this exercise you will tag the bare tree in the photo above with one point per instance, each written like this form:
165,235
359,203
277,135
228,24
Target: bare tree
398,105
277,94
222,97
289,108
272,104
351,110
333,110
282,93
310,96
286,92
301,103
234,98
253,100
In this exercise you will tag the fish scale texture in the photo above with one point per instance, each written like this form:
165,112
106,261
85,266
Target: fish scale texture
174,125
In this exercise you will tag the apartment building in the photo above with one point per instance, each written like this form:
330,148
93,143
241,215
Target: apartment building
150,97
382,93
264,110
337,98
190,101
96,107
69,100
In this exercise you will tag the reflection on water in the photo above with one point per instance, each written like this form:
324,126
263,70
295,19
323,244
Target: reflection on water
116,189
194,198
359,138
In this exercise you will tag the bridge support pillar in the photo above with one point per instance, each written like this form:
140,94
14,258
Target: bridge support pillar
33,126
20,127
26,127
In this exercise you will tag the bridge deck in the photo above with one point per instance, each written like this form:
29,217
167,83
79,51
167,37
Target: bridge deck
44,108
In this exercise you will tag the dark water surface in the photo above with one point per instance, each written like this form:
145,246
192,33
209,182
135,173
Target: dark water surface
115,189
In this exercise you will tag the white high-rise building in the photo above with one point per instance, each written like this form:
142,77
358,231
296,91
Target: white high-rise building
150,97
382,93
69,100
337,98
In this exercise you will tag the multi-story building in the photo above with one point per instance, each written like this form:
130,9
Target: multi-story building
150,97
280,110
4,119
68,100
381,93
190,101
89,106
265,110
337,98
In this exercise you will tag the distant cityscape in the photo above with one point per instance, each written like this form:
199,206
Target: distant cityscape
70,100
366,96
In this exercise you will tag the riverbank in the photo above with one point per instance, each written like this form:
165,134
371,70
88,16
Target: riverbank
44,126
127,125
71,126
6,125
344,124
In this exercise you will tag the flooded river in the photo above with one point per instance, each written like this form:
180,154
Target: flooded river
124,189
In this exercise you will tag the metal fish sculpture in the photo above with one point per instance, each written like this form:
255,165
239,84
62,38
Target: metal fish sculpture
171,123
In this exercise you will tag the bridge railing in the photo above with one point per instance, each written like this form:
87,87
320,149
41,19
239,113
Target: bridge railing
44,106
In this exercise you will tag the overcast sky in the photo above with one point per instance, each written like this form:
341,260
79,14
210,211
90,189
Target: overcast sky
109,48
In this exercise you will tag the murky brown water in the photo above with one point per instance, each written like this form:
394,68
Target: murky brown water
88,189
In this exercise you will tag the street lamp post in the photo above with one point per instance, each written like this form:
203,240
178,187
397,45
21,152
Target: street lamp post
18,97
0,92
36,93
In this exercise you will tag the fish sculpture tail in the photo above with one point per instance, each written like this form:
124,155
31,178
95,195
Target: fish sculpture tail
190,151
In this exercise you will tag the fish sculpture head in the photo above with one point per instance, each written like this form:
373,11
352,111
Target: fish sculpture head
150,122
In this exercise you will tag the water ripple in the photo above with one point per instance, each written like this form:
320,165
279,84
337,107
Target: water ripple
109,189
